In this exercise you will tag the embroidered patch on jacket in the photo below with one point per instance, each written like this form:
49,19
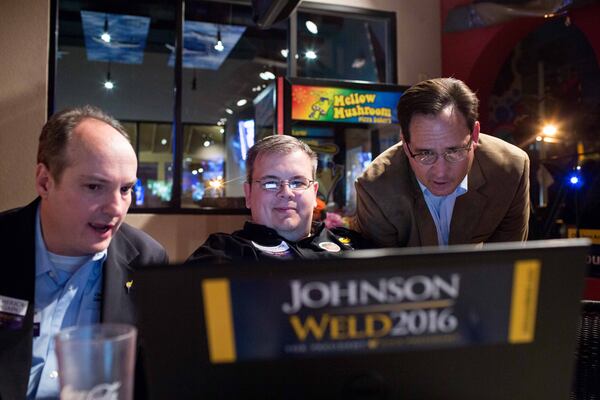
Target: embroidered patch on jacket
344,240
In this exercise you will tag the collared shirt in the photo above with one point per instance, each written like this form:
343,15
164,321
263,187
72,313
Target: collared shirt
67,293
441,208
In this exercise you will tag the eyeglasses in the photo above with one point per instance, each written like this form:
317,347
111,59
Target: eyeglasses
274,185
452,155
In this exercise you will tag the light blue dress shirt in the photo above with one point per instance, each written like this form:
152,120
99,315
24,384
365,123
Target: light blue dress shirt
441,208
68,292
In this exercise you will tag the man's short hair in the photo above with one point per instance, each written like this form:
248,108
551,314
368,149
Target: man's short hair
278,144
58,131
432,96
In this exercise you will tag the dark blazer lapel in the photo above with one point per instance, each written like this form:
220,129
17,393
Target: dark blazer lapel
16,345
21,256
468,208
423,218
115,295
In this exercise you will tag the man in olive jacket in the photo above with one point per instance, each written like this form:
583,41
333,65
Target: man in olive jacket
445,182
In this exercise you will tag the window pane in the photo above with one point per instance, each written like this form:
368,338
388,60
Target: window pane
227,98
155,170
344,46
203,162
343,153
115,55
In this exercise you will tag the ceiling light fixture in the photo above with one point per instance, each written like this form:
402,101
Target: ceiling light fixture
284,52
241,102
310,54
219,45
266,75
105,35
359,62
229,111
312,27
549,129
194,81
108,83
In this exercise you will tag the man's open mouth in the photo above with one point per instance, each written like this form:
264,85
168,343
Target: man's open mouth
101,228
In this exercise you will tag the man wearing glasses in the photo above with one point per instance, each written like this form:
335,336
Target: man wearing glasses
445,183
281,193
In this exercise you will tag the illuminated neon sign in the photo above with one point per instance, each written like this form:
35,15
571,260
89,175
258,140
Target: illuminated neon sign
330,104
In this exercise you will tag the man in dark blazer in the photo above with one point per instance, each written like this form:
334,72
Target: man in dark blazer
86,170
445,182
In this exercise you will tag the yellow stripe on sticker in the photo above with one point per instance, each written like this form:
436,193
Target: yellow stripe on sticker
219,320
523,309
593,234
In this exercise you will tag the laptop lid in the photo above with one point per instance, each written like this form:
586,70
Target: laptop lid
497,322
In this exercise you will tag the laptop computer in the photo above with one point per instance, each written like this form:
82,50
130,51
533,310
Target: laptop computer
497,322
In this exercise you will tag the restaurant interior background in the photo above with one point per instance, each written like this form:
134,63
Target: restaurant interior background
528,71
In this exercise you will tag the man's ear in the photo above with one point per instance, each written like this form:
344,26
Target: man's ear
475,135
247,193
43,180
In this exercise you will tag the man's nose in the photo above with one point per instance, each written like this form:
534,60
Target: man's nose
439,167
115,204
284,190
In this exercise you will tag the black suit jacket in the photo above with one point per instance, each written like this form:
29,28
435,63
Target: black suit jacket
129,247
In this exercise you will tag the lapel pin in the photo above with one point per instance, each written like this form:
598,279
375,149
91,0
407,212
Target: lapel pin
128,285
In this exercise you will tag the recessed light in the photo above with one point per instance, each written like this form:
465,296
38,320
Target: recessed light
312,27
310,54
241,102
219,45
266,75
358,63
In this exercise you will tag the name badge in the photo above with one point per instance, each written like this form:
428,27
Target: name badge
12,312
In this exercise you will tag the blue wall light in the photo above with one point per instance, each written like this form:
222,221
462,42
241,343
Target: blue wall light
575,180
